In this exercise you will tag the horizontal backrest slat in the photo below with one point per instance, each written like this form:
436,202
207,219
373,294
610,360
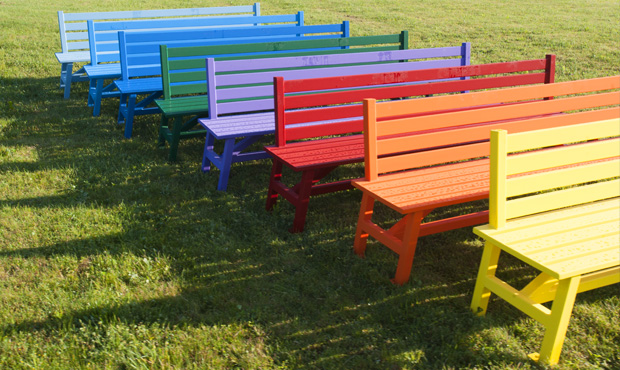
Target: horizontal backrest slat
540,160
560,199
425,138
500,112
563,178
495,97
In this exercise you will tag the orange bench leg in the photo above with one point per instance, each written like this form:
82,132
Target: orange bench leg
365,215
409,243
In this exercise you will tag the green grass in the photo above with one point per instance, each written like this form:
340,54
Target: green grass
111,257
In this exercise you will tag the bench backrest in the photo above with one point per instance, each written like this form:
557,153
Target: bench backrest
409,134
237,86
140,52
74,32
582,167
328,112
104,42
183,69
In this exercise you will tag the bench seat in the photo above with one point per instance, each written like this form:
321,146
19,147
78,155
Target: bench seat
73,57
431,187
336,151
563,243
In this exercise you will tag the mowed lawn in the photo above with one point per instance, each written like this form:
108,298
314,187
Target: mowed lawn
111,257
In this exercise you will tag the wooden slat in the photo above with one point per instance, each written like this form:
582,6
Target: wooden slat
403,108
423,138
587,131
496,112
561,198
562,156
564,177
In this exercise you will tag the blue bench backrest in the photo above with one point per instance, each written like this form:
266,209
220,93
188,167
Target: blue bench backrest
140,52
74,32
103,36
227,80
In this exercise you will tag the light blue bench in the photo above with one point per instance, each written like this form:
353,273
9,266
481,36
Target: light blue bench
140,58
104,43
74,36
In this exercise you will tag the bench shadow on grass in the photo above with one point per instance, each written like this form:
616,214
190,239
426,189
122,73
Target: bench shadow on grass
319,304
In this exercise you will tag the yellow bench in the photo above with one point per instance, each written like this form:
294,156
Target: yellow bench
558,210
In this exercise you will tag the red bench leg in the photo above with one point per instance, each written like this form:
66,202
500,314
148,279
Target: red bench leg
276,176
409,243
365,215
301,203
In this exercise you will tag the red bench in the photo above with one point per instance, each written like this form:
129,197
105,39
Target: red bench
331,106
418,160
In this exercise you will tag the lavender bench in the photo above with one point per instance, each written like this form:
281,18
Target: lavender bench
240,114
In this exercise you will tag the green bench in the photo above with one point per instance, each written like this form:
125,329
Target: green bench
185,80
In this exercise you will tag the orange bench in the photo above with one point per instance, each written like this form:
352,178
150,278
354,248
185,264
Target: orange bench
417,161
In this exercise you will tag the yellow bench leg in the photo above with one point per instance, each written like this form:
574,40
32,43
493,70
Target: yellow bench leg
488,266
557,323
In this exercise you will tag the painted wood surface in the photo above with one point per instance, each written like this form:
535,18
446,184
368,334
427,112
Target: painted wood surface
411,147
314,108
74,40
556,207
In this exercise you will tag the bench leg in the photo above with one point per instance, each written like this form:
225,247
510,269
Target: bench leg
163,127
97,96
209,142
175,138
409,243
128,112
301,205
227,155
276,176
365,215
66,73
557,324
488,267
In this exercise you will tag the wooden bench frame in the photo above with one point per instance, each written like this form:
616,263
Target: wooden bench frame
180,77
108,50
565,221
141,75
74,36
238,129
316,158
428,153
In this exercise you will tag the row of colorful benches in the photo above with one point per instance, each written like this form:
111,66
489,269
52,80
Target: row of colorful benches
418,154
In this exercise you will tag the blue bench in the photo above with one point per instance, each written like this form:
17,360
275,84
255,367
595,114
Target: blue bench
140,58
237,111
185,81
74,36
104,43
